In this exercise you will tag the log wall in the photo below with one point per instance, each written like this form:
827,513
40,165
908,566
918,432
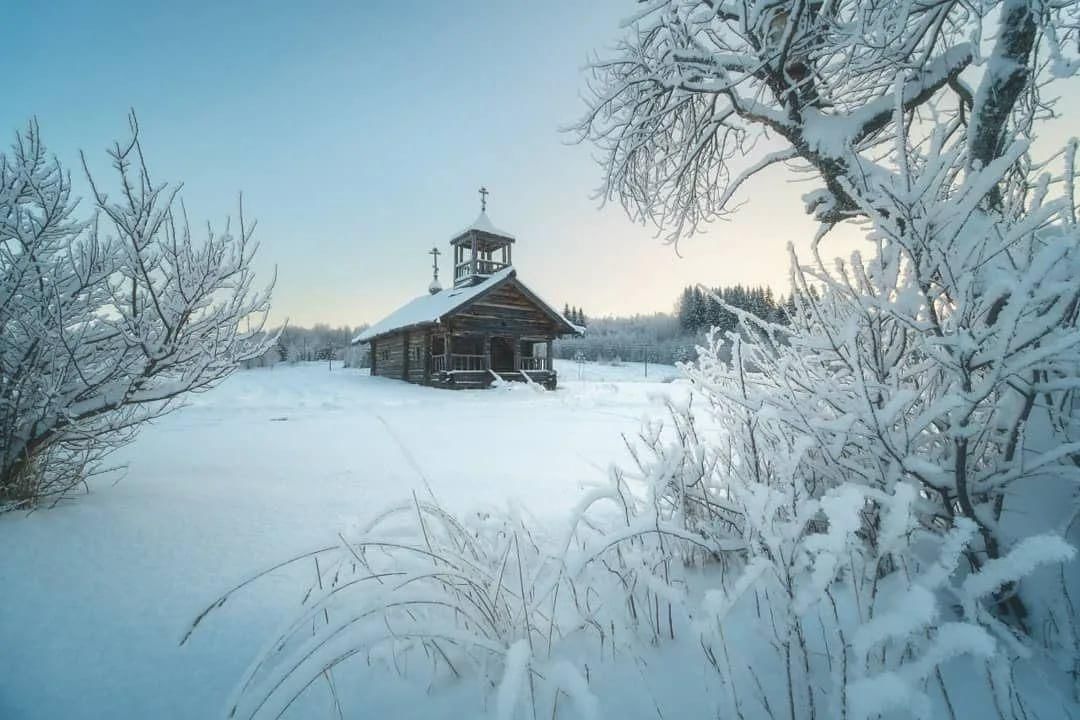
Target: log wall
403,355
389,356
504,311
418,357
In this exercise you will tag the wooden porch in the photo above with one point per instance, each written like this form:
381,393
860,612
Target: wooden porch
474,360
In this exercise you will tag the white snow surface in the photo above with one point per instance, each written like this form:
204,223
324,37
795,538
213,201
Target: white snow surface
273,463
277,462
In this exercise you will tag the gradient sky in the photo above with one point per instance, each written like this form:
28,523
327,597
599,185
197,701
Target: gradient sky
359,134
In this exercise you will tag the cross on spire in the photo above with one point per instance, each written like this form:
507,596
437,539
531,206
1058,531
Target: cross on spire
434,253
483,198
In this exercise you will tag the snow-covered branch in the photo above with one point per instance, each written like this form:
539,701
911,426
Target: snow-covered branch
697,91
109,321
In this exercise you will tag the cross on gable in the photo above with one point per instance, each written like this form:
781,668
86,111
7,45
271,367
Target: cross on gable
483,198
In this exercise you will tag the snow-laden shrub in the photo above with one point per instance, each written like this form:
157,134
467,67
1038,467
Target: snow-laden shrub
420,592
851,629
881,473
797,610
884,457
938,373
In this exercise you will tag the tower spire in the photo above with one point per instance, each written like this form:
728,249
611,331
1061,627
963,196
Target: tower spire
483,198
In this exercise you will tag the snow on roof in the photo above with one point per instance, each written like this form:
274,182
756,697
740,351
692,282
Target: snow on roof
483,224
430,307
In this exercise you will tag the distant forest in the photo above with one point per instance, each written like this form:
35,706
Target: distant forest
321,342
661,337
669,337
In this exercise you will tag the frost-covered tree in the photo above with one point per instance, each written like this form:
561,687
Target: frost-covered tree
702,95
908,375
940,364
107,319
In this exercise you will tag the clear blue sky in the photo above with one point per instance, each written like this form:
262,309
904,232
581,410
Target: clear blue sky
359,133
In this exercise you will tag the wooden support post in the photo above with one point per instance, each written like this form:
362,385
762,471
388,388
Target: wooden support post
474,237
517,352
487,351
547,352
374,362
427,357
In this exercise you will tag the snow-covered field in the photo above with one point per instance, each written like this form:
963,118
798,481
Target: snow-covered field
98,592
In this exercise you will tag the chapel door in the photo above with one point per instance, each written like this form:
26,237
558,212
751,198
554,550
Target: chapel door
502,354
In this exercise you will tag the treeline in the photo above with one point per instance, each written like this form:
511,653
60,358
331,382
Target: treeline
698,310
657,338
318,343
669,338
321,342
575,315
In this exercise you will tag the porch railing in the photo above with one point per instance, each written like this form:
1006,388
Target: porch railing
534,363
458,362
440,363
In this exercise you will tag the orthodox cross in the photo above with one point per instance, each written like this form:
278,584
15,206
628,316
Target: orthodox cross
434,253
483,198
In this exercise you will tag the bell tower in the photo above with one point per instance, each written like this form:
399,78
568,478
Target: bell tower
480,250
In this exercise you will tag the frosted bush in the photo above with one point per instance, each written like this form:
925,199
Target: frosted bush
420,592
107,320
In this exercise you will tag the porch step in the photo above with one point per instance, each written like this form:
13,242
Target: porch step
475,379
462,379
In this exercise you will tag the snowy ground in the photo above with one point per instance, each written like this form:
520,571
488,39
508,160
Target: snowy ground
97,593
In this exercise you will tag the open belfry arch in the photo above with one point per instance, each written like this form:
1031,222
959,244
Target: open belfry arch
488,325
